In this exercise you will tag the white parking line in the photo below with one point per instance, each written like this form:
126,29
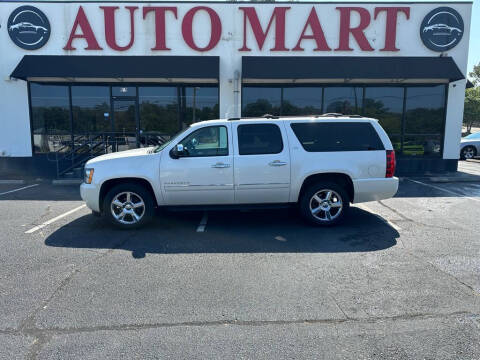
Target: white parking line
22,188
445,190
366,208
203,223
41,226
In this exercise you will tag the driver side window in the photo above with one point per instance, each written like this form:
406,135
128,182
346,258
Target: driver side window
207,141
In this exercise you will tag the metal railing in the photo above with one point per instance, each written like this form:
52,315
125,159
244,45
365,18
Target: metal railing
72,152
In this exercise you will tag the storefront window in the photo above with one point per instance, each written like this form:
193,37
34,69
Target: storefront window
50,118
201,103
258,101
302,101
424,120
159,117
343,100
386,105
415,126
91,109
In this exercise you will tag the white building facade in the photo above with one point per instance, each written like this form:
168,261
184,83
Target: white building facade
82,78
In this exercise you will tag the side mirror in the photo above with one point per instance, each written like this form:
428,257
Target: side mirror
177,151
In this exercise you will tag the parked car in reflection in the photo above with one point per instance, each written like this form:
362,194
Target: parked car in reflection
470,146
442,29
23,27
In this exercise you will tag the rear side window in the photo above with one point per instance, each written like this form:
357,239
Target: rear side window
257,139
331,136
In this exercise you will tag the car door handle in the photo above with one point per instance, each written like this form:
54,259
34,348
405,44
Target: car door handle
277,163
220,165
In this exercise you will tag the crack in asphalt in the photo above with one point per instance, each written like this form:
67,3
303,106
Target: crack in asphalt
47,333
395,211
42,337
471,288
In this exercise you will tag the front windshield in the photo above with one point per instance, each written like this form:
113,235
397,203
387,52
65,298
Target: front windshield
473,136
165,144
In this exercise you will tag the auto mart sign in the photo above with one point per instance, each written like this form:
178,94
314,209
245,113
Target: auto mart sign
261,28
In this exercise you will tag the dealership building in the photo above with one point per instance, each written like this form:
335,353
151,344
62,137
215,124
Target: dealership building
79,79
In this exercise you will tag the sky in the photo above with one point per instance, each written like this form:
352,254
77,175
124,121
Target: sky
474,51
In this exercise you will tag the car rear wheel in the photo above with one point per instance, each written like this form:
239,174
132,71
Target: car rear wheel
128,206
468,152
324,204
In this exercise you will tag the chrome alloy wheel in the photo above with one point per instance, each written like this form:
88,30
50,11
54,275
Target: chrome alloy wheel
468,152
127,208
326,205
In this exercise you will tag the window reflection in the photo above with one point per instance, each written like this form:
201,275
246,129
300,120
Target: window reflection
159,118
420,135
424,109
422,145
258,101
302,101
201,103
424,118
50,118
343,100
386,105
90,104
99,110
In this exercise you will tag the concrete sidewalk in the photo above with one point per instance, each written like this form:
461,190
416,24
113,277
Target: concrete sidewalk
468,171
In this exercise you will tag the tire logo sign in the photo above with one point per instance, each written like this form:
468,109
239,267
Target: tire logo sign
28,28
442,29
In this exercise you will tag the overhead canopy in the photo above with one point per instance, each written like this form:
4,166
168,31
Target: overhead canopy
117,68
309,69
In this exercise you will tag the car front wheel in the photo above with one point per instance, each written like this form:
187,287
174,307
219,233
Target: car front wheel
128,206
468,152
325,204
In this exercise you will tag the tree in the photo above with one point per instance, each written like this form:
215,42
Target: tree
471,112
475,75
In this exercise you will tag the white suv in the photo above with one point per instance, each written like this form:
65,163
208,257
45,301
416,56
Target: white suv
320,163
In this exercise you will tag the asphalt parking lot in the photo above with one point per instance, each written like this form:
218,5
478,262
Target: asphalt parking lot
399,280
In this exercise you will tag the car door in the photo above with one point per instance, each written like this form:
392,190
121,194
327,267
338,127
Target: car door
261,163
203,173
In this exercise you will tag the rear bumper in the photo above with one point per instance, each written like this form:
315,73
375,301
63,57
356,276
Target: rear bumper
374,189
90,194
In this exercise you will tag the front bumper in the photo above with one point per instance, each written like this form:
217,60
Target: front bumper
91,195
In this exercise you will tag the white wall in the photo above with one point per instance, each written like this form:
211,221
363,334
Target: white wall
14,116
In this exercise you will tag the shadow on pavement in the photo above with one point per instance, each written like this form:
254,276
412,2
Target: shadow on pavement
274,231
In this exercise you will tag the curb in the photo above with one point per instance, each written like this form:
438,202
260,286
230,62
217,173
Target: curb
67,182
446,179
17,182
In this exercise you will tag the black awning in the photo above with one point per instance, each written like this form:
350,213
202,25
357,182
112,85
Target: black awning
117,67
329,68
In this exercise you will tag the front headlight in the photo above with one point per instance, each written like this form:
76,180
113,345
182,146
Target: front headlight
88,176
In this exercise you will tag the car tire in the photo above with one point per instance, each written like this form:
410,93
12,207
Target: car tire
468,152
324,203
128,206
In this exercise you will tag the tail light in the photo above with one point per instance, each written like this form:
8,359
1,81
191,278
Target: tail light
390,164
